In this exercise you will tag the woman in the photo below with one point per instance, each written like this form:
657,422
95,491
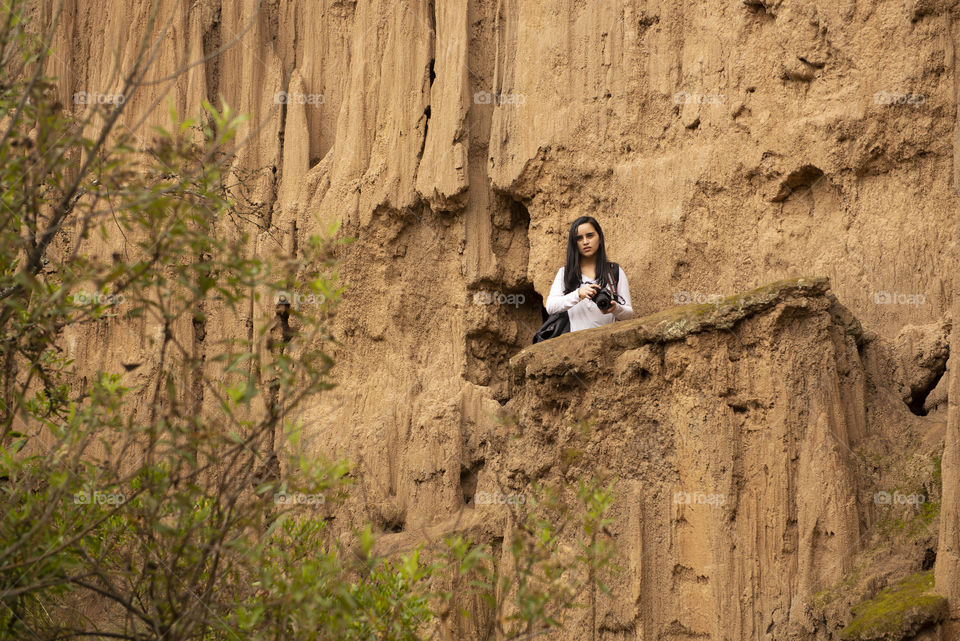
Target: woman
587,272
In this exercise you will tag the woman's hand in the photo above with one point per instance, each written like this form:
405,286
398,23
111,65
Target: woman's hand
613,307
588,290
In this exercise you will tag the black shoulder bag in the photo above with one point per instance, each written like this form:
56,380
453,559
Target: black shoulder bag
559,323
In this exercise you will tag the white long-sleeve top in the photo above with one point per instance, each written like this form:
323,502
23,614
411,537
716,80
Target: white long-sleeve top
585,314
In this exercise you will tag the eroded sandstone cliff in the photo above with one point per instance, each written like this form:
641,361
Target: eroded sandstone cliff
722,145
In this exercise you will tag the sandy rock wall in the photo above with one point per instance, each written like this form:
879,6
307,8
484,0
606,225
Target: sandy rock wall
748,442
948,554
723,145
730,144
734,448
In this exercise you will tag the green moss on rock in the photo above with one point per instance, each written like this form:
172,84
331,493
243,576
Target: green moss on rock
897,612
676,322
824,598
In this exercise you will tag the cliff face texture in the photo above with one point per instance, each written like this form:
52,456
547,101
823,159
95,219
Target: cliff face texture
743,494
722,146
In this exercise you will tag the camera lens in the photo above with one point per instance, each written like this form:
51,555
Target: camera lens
602,300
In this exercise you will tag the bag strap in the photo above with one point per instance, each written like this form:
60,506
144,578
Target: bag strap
615,275
615,268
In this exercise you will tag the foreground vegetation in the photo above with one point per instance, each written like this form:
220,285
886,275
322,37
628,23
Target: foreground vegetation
149,498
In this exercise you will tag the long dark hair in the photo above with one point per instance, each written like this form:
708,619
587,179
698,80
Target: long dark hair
571,272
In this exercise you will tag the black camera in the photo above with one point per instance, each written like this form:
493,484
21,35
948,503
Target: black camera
603,299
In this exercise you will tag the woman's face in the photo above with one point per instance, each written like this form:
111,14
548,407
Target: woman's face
588,240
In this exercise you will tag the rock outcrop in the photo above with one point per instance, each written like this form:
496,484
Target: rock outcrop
734,430
733,435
